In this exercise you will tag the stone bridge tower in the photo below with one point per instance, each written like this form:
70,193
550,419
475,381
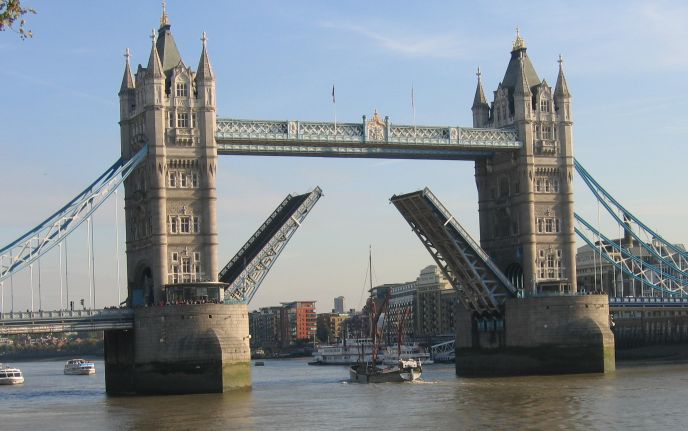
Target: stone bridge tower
526,198
195,343
170,199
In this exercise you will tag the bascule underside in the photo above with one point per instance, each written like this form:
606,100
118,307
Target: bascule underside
481,286
247,269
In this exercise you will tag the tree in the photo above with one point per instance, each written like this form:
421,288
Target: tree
11,11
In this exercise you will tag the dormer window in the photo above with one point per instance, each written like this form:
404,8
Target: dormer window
182,89
544,105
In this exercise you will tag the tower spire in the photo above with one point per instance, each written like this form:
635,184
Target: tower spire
205,70
561,89
154,65
519,43
479,99
522,86
164,20
127,79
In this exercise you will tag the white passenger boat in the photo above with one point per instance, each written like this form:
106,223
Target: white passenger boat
10,376
79,367
393,354
347,352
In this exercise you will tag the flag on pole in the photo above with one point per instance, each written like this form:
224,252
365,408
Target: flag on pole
333,98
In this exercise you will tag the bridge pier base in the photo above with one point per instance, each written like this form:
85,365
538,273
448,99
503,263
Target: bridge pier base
180,349
540,335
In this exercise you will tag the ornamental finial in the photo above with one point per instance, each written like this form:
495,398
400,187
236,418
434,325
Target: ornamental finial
560,61
478,74
127,55
163,19
152,36
519,43
204,39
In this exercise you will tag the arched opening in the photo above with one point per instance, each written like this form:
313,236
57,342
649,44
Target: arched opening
142,288
514,273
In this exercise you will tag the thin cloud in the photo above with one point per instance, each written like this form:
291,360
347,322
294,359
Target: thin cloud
54,86
446,46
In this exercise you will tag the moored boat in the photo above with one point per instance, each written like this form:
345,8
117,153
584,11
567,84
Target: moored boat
79,367
10,376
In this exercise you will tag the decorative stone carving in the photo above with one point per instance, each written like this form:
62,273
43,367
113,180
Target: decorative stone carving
376,128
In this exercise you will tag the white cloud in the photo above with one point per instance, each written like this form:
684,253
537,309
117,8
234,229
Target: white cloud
446,46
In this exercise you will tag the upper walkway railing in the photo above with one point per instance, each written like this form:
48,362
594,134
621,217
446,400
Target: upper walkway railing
34,322
371,139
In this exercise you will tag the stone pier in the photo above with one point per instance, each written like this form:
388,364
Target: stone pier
539,335
180,349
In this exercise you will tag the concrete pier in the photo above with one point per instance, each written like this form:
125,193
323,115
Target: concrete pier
180,349
540,335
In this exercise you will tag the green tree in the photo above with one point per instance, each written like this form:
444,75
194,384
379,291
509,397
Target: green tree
10,12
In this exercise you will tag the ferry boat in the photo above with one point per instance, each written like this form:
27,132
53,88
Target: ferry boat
347,352
393,354
10,376
79,367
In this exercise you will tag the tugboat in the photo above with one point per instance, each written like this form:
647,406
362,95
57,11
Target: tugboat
371,372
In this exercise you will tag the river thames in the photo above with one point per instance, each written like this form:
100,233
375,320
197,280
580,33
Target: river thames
290,395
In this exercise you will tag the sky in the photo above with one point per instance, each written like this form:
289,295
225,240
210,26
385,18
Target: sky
625,63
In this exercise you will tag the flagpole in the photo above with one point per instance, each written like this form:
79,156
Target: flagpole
413,108
334,109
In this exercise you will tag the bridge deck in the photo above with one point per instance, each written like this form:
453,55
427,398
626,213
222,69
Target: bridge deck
66,321
322,139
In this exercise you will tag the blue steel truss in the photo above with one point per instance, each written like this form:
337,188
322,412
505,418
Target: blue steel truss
652,276
667,253
481,286
39,240
372,139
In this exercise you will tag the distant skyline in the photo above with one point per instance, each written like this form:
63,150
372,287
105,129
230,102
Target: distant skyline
625,63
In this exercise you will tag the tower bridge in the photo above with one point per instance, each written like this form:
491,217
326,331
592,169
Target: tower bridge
520,308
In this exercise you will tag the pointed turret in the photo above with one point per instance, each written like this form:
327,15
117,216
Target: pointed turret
522,87
167,48
480,108
127,79
154,65
479,99
205,70
562,88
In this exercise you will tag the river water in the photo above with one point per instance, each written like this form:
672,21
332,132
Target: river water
290,395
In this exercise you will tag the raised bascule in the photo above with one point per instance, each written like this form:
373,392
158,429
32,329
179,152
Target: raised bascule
185,328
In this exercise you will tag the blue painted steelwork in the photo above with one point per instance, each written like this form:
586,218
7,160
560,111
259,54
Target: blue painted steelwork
66,321
645,302
668,253
55,228
631,265
362,140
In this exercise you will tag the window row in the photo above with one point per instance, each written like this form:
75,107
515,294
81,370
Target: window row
548,225
545,131
181,119
182,179
185,271
184,224
196,257
546,185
